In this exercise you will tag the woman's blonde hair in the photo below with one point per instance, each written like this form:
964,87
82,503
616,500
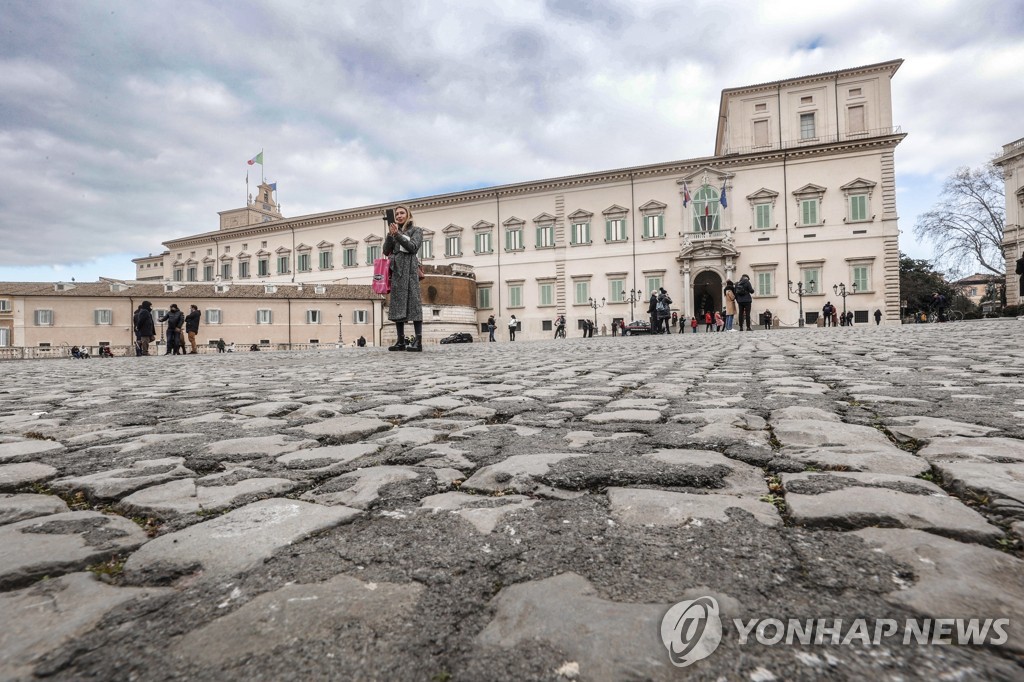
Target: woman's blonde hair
408,214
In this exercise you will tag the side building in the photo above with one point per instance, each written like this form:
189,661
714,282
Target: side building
1011,162
800,195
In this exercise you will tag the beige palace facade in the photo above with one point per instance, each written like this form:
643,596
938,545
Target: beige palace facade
1011,161
806,165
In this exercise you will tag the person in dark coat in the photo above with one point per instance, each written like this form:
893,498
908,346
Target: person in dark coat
175,321
192,327
744,298
405,305
652,312
878,316
145,329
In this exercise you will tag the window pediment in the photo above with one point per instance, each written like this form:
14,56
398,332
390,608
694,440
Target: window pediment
227,258
513,223
177,264
348,241
191,261
614,212
858,186
809,190
580,216
373,239
763,196
209,259
544,219
452,229
262,252
325,245
713,175
282,250
303,247
243,256
426,233
653,207
482,226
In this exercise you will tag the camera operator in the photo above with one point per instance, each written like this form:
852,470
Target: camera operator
402,245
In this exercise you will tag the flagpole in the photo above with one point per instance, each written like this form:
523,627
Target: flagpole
262,178
246,186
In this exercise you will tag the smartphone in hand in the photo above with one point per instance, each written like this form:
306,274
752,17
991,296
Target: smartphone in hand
389,216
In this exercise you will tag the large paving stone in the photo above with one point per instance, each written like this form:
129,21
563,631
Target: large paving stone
484,513
641,507
364,489
805,433
186,496
740,478
995,479
928,428
27,448
14,476
517,473
62,543
343,611
233,543
859,507
116,483
955,580
878,458
346,429
609,640
52,613
257,446
270,409
625,416
15,508
979,449
327,456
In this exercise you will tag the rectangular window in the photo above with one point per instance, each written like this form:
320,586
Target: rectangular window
193,274
515,295
101,316
860,316
546,294
546,326
264,316
858,207
654,226
809,212
862,277
348,258
303,263
615,230
225,271
373,252
513,240
763,216
812,280
262,267
243,269
361,317
483,297
207,273
764,284
426,249
653,283
212,316
616,290
44,318
760,133
453,246
5,337
313,317
581,233
857,123
282,264
326,260
178,274
582,291
807,126
482,242
545,236
5,305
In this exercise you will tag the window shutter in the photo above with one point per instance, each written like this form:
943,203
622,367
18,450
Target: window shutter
96,317
661,225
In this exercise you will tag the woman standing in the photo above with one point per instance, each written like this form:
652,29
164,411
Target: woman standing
402,245
730,304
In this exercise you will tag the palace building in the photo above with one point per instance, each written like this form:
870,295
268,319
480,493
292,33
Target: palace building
800,195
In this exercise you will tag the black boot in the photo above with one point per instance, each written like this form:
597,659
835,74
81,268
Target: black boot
416,346
399,345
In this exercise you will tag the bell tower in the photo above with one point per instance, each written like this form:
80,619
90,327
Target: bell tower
262,207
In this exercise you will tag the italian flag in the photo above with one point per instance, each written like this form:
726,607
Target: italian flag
256,159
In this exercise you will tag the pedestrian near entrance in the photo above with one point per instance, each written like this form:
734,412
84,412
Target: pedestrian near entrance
708,321
744,299
730,304
878,316
145,329
175,321
826,312
849,318
664,308
719,322
223,347
693,324
766,318
652,312
192,327
491,326
512,324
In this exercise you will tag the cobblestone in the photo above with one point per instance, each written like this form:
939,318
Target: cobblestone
475,512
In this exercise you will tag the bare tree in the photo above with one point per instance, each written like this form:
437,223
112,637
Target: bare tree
966,225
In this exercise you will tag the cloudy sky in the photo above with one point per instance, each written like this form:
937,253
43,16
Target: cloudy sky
125,123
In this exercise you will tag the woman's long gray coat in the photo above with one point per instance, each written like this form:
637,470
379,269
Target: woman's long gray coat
405,304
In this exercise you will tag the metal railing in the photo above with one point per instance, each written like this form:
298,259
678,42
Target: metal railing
812,141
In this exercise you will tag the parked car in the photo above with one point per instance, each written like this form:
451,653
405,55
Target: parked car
637,327
458,337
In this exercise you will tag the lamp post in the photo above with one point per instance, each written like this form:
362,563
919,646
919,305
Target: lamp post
800,291
595,305
341,341
840,290
635,296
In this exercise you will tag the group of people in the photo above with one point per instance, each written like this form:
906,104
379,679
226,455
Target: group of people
834,318
179,325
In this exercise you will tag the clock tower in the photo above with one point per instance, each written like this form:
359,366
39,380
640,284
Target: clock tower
261,208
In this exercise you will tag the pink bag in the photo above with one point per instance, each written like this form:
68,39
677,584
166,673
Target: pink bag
382,275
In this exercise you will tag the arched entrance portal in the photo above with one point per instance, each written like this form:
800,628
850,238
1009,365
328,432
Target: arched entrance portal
707,293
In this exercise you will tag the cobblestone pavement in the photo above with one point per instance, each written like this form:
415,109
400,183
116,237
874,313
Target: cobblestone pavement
514,511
